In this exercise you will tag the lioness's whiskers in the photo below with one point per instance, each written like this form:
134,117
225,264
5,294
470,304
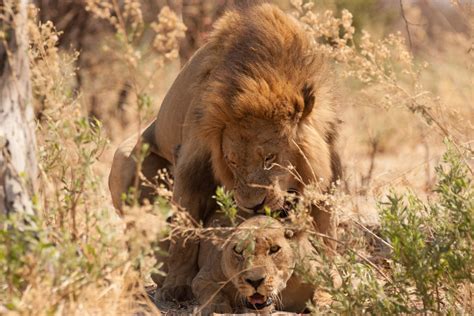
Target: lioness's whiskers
277,299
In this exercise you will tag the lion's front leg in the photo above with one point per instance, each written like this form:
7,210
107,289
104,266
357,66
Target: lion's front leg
193,189
326,225
323,298
181,270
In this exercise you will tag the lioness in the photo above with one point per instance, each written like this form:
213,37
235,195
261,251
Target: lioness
253,268
254,111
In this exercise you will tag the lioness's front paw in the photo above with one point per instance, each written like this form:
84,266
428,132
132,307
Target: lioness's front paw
175,293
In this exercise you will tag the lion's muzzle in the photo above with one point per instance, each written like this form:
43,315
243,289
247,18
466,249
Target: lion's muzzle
255,199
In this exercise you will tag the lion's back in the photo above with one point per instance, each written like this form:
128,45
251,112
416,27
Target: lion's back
170,127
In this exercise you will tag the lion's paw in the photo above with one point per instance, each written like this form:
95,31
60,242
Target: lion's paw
322,298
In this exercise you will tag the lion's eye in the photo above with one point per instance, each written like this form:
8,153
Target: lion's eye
269,159
230,161
274,249
238,250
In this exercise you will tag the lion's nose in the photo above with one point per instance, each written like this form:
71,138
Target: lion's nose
255,283
258,207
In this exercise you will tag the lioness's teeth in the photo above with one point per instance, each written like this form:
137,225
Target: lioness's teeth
257,299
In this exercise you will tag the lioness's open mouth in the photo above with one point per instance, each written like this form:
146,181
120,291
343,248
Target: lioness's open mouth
258,301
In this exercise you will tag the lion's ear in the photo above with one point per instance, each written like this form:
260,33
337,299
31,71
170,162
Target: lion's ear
308,98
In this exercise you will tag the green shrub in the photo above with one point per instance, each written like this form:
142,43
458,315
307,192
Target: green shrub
432,241
431,263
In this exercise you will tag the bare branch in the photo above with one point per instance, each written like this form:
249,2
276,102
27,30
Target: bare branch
407,26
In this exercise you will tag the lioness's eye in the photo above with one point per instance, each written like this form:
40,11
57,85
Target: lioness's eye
238,250
274,249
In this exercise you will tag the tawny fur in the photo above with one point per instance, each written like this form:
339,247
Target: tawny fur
219,264
257,90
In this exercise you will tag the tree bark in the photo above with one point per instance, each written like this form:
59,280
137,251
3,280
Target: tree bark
18,166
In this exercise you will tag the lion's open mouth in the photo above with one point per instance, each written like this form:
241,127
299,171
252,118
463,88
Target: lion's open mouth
258,301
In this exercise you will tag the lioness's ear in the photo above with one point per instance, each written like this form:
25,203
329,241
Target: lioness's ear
308,98
289,233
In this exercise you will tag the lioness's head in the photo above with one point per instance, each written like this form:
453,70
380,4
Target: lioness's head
259,260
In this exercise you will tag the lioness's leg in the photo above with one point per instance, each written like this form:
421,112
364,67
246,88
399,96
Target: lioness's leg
193,189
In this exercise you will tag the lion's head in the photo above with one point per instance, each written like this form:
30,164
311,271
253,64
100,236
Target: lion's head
259,259
258,163
259,97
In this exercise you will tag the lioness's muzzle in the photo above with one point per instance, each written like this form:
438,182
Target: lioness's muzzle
256,305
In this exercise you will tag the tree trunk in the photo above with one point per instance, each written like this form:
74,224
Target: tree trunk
18,167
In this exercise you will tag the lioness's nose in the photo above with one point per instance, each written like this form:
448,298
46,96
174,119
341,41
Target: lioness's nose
255,283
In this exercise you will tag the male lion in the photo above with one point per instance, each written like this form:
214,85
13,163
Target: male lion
253,268
254,111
